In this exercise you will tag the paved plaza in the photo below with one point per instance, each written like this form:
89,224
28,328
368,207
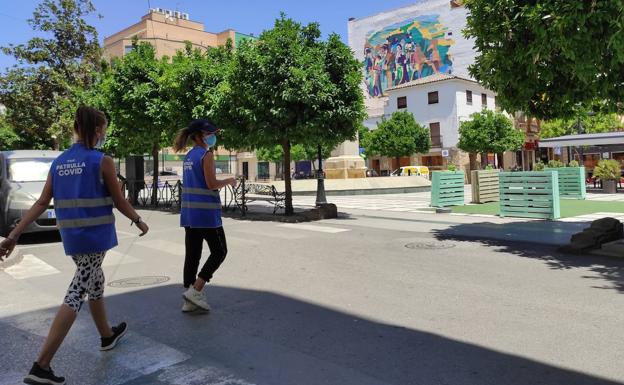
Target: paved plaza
372,298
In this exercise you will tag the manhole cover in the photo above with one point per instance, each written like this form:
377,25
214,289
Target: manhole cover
430,245
139,281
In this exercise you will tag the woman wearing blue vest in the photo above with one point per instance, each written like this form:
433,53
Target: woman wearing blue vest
201,210
83,183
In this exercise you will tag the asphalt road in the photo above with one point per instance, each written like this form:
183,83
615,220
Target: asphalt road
358,300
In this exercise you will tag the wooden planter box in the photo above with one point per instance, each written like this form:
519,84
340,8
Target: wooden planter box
485,186
530,195
447,188
571,182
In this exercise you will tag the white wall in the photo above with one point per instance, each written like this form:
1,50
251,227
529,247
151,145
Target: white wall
451,109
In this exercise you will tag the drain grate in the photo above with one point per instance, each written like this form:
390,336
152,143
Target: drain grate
139,281
430,245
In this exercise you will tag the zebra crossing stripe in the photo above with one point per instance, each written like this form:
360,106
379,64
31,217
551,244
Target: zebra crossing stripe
30,267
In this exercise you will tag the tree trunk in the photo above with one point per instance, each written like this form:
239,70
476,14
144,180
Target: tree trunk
287,179
155,149
473,160
501,159
484,160
473,165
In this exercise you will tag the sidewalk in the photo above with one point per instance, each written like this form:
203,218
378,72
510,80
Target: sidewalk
551,233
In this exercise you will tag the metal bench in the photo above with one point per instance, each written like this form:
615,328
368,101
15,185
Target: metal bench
246,193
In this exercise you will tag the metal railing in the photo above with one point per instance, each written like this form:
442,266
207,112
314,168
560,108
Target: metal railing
436,141
168,195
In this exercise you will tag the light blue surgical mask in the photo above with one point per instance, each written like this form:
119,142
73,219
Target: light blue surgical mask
210,140
100,142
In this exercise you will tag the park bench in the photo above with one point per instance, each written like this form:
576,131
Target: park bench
246,193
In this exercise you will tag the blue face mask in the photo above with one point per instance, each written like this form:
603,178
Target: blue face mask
210,140
100,142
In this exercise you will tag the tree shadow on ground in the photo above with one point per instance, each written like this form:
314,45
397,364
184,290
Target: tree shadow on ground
264,338
609,269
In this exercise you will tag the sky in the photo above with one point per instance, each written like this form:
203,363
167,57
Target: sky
246,16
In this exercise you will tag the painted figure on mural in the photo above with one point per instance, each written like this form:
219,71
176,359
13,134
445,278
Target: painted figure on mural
417,60
368,65
401,62
377,91
435,59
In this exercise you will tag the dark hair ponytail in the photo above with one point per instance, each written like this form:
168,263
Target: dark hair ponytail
181,140
87,120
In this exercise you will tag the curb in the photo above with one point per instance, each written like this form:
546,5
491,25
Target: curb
371,191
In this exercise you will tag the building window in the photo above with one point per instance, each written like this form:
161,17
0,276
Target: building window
402,102
469,97
434,131
484,100
128,48
433,97
263,170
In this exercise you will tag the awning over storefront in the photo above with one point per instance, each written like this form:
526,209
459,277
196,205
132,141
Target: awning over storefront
606,138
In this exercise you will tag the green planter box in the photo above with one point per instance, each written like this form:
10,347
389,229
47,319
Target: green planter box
447,188
571,182
530,195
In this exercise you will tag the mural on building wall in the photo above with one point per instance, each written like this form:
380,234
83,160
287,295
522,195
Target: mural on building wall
409,43
405,51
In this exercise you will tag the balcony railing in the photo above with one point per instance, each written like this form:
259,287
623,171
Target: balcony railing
436,141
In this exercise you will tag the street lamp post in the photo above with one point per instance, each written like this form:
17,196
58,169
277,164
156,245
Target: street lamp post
320,186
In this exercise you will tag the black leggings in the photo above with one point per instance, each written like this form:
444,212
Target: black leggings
194,243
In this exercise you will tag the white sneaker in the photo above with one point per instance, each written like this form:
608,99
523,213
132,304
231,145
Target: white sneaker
196,298
188,307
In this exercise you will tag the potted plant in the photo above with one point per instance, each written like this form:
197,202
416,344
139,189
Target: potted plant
553,163
608,172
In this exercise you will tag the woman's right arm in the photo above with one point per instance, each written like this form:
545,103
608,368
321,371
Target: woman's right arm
110,180
209,173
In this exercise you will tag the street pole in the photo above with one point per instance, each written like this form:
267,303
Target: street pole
320,186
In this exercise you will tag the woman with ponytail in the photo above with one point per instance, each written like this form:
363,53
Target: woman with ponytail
83,183
201,210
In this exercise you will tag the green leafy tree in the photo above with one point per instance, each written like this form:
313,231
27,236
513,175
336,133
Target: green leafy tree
40,93
398,136
488,132
590,124
8,137
139,107
191,80
289,87
546,57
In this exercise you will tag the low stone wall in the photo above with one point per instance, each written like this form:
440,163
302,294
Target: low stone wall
359,186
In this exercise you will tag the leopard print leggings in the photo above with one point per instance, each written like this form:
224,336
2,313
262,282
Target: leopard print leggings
88,280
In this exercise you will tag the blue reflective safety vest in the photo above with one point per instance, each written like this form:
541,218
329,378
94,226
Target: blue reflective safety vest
201,207
83,205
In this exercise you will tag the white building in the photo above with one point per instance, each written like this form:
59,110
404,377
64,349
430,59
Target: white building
439,102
